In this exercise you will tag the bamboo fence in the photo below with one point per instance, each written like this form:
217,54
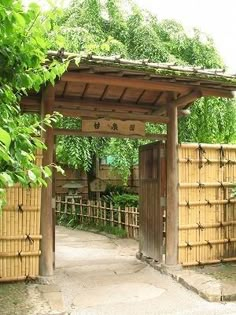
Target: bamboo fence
207,214
20,233
207,208
99,213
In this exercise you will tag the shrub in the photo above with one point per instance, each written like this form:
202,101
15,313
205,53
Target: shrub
125,200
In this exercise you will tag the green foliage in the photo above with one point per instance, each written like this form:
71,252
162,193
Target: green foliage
212,120
72,222
125,155
22,54
119,27
115,189
120,196
125,200
77,152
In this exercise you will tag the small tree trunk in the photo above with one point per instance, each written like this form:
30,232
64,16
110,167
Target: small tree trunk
91,175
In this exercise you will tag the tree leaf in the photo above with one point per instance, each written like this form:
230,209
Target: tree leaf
5,138
32,176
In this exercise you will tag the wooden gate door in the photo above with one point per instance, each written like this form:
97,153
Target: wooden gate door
152,172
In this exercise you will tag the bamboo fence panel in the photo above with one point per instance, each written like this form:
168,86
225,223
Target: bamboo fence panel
99,213
20,233
207,210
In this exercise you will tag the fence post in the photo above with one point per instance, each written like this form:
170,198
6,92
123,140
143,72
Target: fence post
119,217
58,204
80,212
111,214
136,224
105,213
127,221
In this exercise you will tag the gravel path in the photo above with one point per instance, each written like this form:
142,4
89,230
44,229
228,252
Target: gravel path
101,276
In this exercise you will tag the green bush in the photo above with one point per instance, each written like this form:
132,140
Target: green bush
125,200
120,196
116,189
72,221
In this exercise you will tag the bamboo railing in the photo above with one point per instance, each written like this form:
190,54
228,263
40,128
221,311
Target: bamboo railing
98,213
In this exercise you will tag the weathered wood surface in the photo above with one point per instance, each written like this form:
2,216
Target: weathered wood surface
152,181
46,259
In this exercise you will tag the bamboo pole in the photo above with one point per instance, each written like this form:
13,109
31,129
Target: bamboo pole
19,278
127,221
20,237
206,185
20,254
208,146
210,203
205,160
208,262
112,214
207,242
119,217
205,226
105,212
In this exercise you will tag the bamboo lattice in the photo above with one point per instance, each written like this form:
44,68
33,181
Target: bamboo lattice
20,233
99,213
207,208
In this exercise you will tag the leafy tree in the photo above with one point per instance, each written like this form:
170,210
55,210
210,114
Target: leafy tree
117,27
23,48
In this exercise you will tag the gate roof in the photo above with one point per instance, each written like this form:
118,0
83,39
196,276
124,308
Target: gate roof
113,87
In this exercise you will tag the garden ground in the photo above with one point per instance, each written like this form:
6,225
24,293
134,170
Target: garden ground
99,275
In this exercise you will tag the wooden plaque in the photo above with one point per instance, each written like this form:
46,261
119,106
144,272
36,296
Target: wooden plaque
98,185
115,126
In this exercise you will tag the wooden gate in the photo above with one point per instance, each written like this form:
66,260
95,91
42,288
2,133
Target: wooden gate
152,170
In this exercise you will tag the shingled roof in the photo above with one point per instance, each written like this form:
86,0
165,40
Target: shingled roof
100,86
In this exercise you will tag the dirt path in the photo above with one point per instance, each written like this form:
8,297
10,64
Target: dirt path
21,299
101,276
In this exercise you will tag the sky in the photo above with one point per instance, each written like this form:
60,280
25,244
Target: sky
214,17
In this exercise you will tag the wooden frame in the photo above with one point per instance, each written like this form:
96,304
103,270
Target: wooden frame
107,87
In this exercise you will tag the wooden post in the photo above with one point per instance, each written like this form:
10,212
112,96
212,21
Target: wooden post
54,203
172,188
97,176
46,226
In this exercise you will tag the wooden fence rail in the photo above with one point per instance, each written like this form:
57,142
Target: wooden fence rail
99,213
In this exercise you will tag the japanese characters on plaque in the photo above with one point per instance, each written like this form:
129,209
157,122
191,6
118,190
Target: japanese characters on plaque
127,127
98,185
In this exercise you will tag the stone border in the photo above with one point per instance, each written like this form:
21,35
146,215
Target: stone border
207,287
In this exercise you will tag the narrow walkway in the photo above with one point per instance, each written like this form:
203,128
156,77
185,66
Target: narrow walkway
101,276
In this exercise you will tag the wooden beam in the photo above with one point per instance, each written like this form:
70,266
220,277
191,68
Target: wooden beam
172,188
146,84
180,102
46,226
111,115
76,102
97,105
217,92
79,133
186,99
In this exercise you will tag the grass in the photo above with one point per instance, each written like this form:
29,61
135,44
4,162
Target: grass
72,222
